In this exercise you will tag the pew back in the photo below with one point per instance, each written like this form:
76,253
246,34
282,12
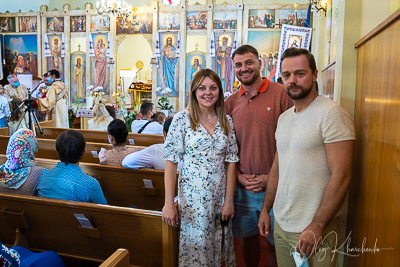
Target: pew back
121,187
101,136
47,149
42,224
3,130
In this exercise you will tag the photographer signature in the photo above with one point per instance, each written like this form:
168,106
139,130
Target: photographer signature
322,252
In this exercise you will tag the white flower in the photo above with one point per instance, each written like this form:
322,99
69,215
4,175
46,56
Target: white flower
226,94
168,90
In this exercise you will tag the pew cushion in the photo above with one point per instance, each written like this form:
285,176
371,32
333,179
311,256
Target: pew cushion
32,259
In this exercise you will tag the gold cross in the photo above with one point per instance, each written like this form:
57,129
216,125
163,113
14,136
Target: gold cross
295,6
79,47
196,45
134,9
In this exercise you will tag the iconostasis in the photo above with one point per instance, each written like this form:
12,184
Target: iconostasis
164,46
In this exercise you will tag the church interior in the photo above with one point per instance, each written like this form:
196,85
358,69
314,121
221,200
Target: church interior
125,53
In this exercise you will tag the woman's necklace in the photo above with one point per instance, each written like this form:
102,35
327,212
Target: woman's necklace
208,119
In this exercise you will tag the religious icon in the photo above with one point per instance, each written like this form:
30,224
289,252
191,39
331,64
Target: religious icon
55,24
78,23
222,63
56,59
100,23
135,24
266,42
7,24
169,21
169,71
27,24
195,61
196,20
296,17
262,18
294,41
78,75
21,55
225,20
100,60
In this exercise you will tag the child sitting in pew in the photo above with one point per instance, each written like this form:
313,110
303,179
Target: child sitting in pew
150,157
19,174
67,181
117,134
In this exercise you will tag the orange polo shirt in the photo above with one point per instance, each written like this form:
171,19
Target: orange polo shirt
255,119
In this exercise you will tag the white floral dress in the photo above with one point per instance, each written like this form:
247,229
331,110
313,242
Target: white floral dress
201,190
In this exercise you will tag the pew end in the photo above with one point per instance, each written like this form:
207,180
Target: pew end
51,225
119,258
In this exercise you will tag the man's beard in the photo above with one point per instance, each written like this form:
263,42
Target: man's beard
304,91
254,78
223,47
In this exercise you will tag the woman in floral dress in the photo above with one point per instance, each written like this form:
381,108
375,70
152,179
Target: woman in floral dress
204,138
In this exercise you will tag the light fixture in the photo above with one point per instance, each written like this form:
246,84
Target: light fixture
318,7
119,9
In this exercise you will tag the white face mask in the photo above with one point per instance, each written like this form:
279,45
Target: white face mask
109,139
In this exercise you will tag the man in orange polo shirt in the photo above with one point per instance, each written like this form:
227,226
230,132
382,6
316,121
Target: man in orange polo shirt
255,109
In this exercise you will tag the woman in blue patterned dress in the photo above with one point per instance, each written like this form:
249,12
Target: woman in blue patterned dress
204,138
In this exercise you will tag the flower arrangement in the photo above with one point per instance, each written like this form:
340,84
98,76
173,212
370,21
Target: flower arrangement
120,97
78,103
97,93
164,102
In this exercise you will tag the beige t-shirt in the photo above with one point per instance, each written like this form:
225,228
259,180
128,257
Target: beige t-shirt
303,168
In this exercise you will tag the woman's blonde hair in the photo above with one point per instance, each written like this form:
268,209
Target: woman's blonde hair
194,108
159,117
100,115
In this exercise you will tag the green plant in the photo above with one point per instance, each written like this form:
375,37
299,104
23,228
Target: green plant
129,118
164,104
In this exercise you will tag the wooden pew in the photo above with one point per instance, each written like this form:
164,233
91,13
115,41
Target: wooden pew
101,136
119,258
43,224
4,130
47,149
121,187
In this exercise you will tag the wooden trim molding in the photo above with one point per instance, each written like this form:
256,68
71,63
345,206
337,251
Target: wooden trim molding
383,25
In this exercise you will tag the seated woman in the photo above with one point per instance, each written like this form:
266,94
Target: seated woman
20,256
16,117
117,134
159,117
18,174
101,118
111,111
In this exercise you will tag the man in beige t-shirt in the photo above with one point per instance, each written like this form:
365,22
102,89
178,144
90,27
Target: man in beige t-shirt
312,168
